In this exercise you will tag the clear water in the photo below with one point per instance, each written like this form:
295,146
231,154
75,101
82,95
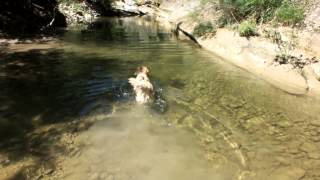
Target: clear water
212,120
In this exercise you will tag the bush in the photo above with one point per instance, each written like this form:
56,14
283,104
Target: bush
67,1
290,14
286,11
247,29
203,28
262,10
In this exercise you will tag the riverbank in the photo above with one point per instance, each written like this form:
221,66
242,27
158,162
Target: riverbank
255,54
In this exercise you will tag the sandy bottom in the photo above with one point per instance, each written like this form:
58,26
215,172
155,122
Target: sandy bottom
137,145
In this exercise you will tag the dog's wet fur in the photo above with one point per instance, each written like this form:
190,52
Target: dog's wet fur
143,88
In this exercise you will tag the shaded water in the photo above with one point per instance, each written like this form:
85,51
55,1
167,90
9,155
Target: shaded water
212,121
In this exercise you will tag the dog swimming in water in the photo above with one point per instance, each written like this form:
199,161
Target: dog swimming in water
142,86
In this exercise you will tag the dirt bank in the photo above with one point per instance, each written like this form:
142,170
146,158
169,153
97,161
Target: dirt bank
255,54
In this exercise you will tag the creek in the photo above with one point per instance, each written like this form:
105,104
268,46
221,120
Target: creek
211,120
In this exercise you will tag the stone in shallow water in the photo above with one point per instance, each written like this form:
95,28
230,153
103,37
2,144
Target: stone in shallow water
177,115
314,155
199,101
281,121
315,123
284,124
204,102
308,147
190,121
315,138
311,149
253,123
283,160
232,102
287,173
243,114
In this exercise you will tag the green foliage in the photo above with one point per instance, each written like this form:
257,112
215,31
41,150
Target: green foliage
260,9
67,1
290,14
203,28
247,29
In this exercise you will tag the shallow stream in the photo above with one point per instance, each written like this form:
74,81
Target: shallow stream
211,119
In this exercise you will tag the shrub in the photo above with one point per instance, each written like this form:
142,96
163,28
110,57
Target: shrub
67,1
262,10
247,29
203,28
290,14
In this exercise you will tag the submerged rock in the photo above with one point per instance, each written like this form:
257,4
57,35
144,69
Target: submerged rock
287,173
314,155
253,124
311,149
315,123
308,147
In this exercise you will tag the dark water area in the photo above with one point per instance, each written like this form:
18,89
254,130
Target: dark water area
210,116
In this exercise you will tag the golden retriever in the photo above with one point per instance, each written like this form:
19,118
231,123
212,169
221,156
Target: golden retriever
142,86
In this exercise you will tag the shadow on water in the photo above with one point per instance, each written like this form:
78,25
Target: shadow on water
46,92
56,84
38,83
39,88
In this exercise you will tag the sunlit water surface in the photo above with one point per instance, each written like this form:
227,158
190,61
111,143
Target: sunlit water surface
211,120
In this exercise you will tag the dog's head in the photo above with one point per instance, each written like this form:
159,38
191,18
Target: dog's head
142,69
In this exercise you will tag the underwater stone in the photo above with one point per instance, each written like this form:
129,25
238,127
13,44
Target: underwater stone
284,124
232,102
243,114
314,155
315,123
287,173
190,121
253,123
308,147
177,115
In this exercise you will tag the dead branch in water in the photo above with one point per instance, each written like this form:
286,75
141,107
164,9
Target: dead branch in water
177,29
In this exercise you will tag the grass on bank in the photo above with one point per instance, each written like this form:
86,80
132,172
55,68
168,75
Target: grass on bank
247,28
203,28
290,14
285,11
248,13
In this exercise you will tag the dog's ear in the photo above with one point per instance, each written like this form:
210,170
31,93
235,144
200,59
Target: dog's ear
146,70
